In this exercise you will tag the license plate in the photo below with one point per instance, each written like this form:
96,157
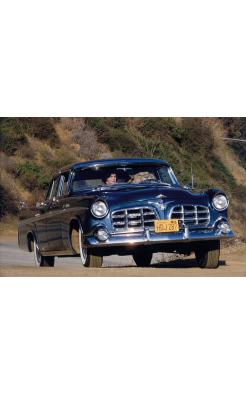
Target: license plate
167,225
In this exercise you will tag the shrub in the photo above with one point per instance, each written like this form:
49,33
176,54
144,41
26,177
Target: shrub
221,173
7,203
27,151
31,175
112,131
83,135
8,197
11,135
6,163
150,127
63,157
41,128
197,137
46,155
240,193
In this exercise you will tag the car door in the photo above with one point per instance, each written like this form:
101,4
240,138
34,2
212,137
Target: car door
41,220
63,196
55,204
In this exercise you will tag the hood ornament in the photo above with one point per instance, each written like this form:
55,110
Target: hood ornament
161,206
161,196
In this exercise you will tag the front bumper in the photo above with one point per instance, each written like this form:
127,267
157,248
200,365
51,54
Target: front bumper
151,238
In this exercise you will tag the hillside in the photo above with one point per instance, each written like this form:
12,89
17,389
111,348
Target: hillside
32,149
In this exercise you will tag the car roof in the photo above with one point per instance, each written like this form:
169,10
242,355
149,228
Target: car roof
114,162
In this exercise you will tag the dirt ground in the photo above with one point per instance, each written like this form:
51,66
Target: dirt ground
17,263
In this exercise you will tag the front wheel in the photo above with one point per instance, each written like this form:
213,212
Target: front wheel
207,254
142,259
39,259
86,259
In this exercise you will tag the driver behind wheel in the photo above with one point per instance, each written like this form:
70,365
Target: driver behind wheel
110,179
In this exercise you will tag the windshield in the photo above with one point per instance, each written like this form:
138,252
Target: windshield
113,176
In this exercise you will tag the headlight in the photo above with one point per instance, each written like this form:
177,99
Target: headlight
220,202
99,209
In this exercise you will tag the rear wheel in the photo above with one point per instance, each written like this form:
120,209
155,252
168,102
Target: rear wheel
207,254
88,260
40,260
143,259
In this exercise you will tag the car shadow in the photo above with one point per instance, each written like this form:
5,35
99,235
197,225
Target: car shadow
181,264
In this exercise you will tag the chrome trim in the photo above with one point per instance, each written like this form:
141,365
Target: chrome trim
139,217
196,218
147,238
106,204
161,206
220,219
131,231
161,196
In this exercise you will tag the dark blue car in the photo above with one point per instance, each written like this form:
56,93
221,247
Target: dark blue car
126,207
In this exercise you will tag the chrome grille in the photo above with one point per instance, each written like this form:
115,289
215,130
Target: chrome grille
191,215
137,217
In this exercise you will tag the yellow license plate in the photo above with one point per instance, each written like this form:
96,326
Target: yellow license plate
167,225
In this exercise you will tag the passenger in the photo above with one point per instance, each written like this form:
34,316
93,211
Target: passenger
110,179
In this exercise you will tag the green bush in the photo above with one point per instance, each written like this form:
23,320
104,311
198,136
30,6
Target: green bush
240,193
41,128
12,135
31,175
8,202
150,127
112,131
222,174
63,157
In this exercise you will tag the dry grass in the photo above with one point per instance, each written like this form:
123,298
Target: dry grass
224,152
9,226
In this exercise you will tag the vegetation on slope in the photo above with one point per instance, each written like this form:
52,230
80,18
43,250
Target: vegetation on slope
236,128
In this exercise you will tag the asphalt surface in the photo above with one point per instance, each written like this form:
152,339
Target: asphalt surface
12,255
16,262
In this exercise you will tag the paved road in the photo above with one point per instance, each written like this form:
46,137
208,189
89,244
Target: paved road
12,255
15,262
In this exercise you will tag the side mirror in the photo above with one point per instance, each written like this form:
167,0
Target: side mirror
186,186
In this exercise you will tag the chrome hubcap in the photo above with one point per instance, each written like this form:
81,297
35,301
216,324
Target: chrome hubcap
38,256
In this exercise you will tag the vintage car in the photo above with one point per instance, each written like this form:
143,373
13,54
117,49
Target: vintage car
125,206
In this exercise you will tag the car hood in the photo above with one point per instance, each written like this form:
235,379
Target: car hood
142,193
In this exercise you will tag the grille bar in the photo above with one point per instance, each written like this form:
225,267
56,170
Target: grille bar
137,217
191,215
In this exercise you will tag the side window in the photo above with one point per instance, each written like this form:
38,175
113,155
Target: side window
63,184
52,189
48,192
